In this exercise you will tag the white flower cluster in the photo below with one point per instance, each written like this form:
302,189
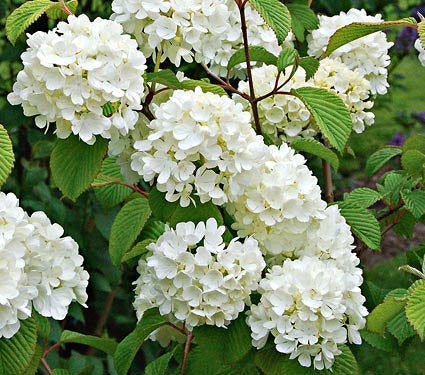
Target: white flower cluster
310,307
38,267
419,47
70,73
368,54
193,277
197,144
208,31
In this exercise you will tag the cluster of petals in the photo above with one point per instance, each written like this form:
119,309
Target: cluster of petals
73,71
196,145
420,48
194,277
208,31
38,267
310,308
368,54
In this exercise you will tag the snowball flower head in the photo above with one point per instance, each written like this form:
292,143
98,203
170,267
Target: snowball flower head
37,267
306,305
195,278
208,31
197,144
72,72
368,54
419,47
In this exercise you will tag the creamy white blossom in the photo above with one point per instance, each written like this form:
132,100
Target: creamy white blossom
197,144
419,47
208,31
37,267
194,277
70,73
368,54
310,308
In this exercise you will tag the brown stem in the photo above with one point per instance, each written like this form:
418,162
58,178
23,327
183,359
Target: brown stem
189,338
181,330
45,354
46,366
118,182
65,8
327,174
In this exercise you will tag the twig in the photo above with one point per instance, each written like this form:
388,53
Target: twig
45,354
65,8
189,338
118,182
327,175
181,330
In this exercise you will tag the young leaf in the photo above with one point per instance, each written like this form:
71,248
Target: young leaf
166,78
358,30
75,164
383,313
363,223
415,202
256,53
421,30
378,159
126,228
56,12
318,149
16,353
159,366
128,348
137,250
106,345
329,112
310,65
112,194
400,328
363,197
7,158
413,161
415,310
276,15
286,58
192,84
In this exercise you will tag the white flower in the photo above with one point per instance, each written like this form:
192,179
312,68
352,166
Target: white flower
208,31
368,54
306,305
70,73
419,47
193,277
197,142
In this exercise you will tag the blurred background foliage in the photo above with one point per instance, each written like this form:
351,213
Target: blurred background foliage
110,312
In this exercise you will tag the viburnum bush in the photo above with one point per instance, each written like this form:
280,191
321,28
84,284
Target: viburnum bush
239,262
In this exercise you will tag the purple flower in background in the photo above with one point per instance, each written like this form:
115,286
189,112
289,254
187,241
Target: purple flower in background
406,39
421,116
398,139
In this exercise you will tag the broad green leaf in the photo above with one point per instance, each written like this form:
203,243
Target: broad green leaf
126,228
406,226
60,371
363,197
43,324
383,313
358,30
415,202
318,149
415,310
286,58
276,15
387,344
238,340
35,361
55,12
245,366
303,18
153,229
7,158
310,65
400,328
106,345
191,84
166,78
75,164
415,285
378,159
330,114
16,353
138,250
417,142
413,161
159,366
399,293
113,193
24,16
128,348
363,223
256,53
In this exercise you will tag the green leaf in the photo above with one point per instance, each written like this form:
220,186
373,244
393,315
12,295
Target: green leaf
399,293
310,65
421,30
387,344
415,310
128,348
24,16
16,353
35,361
415,202
286,58
383,313
363,197
303,18
378,159
413,161
400,328
192,84
417,142
114,193
276,15
138,250
256,53
43,324
126,228
7,158
318,149
106,345
153,229
329,112
406,226
56,12
364,225
166,78
62,372
358,30
238,340
159,366
75,164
